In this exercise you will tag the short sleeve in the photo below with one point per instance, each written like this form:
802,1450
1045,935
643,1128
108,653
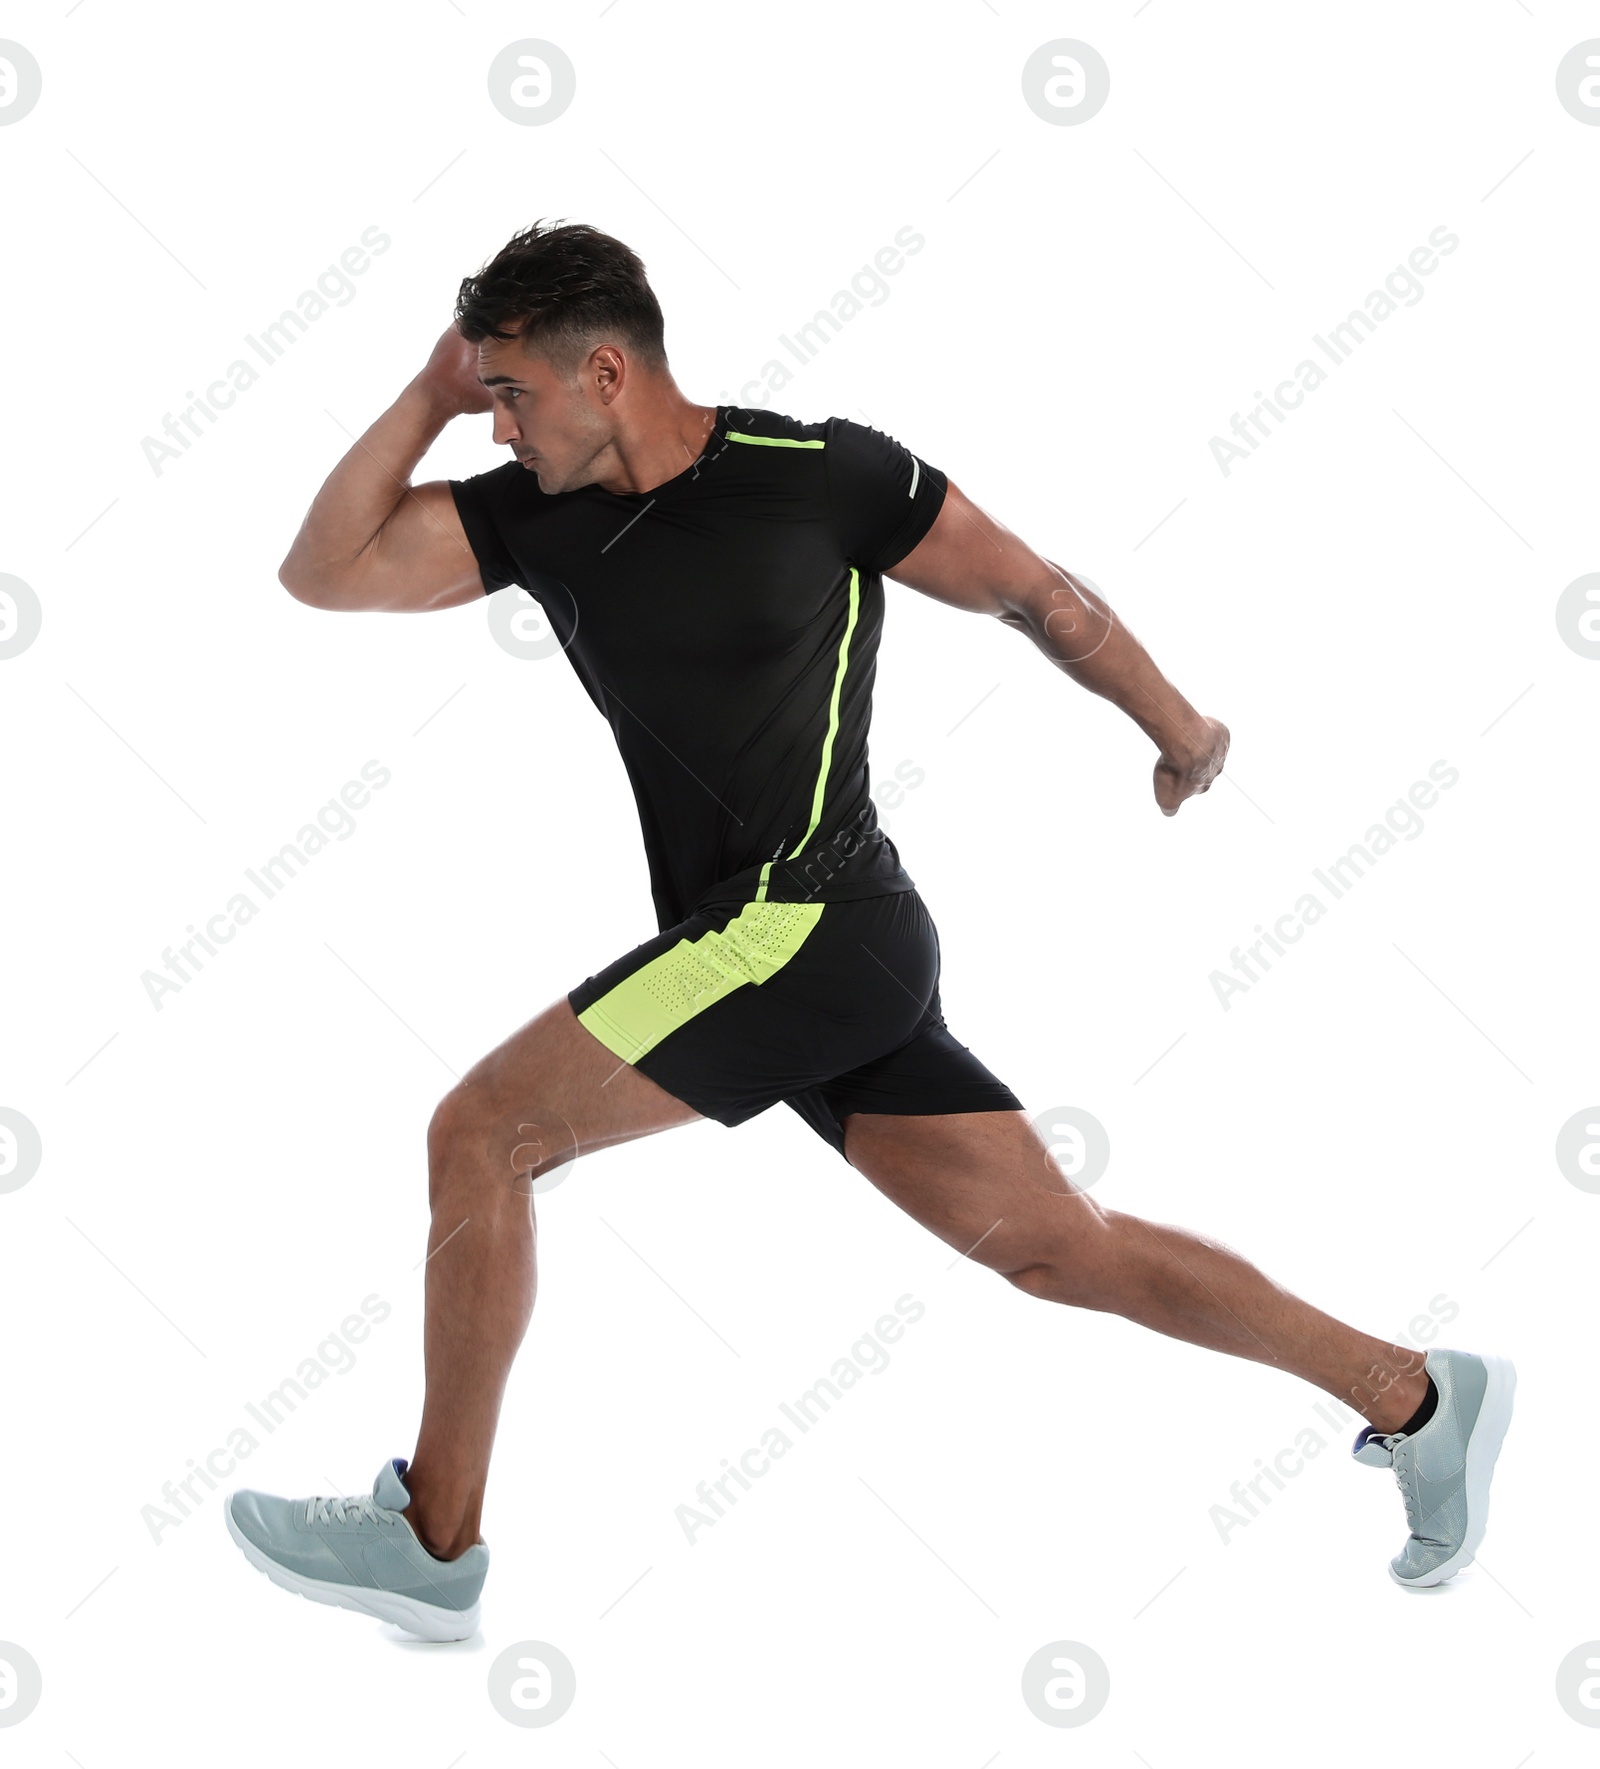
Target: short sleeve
884,498
477,501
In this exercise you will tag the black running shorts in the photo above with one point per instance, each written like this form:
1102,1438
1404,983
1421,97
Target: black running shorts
832,1008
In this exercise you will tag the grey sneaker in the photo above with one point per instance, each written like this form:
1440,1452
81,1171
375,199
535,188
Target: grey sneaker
1444,1468
361,1554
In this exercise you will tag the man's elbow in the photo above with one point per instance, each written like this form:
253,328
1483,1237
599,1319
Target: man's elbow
292,575
314,591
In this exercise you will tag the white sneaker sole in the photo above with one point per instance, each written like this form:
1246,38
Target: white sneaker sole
1483,1448
428,1621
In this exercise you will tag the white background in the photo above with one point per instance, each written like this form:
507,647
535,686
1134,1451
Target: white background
1374,1122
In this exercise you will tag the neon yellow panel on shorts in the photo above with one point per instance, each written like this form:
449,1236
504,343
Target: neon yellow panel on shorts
671,989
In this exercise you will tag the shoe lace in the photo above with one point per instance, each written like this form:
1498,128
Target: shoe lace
341,1509
1404,1452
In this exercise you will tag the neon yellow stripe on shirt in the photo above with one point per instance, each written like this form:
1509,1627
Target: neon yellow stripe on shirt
774,441
833,716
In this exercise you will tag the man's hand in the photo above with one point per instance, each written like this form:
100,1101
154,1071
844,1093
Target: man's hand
1183,770
450,377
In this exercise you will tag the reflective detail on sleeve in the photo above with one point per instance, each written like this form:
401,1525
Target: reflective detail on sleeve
632,1019
916,472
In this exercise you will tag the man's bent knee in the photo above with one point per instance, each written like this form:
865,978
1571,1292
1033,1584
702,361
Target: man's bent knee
476,1140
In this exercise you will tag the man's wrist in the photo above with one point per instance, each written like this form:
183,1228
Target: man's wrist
431,404
1185,739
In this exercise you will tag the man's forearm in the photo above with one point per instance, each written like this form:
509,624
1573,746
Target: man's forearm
1078,631
361,492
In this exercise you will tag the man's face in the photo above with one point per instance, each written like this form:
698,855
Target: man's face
549,424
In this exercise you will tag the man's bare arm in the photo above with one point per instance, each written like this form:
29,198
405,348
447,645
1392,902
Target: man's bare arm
971,561
373,541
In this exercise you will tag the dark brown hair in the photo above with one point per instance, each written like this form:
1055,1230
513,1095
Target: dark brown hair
564,287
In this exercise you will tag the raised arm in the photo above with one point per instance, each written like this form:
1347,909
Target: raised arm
373,541
971,561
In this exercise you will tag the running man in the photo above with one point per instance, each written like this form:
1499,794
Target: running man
715,576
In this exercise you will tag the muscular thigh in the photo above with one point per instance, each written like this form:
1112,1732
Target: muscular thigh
551,1092
985,1182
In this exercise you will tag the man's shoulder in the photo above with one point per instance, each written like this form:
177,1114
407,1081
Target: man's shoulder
758,425
840,435
496,485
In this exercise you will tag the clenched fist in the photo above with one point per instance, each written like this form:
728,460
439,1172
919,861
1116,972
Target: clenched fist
1182,772
451,375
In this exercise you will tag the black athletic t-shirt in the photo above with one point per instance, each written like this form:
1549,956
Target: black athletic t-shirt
726,623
